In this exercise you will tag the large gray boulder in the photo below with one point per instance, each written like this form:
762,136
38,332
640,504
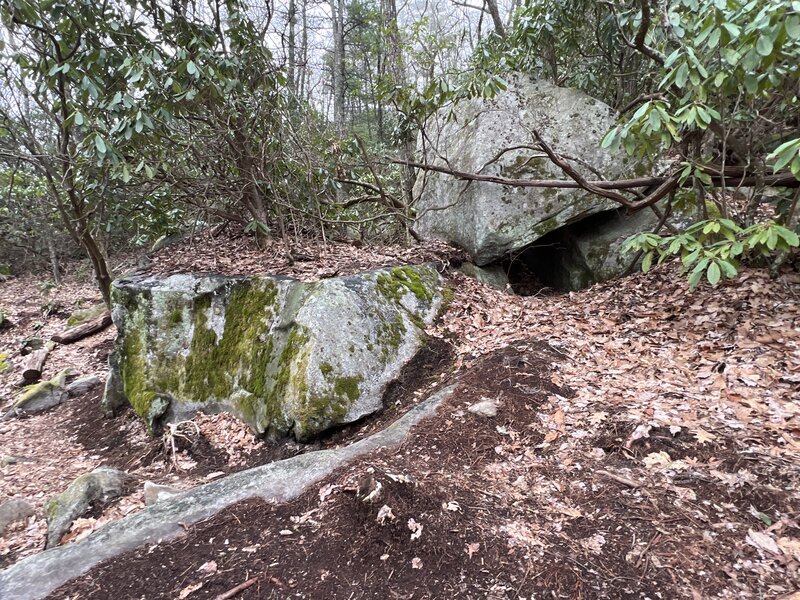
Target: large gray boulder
286,357
490,220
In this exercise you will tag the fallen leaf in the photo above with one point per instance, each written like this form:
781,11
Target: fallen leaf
598,417
703,436
657,460
416,528
763,542
551,436
189,589
558,419
385,513
472,548
208,567
790,547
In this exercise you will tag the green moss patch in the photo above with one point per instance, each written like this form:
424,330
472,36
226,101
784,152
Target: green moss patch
85,315
402,280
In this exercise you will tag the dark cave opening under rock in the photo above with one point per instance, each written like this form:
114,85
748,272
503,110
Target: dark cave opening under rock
556,262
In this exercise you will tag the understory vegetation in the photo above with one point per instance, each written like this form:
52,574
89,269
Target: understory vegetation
125,122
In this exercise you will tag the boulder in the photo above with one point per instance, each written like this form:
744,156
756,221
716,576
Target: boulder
492,275
84,315
13,511
285,356
95,488
40,397
80,386
489,220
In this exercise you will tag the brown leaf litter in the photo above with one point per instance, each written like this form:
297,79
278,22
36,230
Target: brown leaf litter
646,444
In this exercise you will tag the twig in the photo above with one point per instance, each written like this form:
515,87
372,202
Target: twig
239,588
620,479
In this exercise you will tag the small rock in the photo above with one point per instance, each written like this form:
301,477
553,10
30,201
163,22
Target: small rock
10,459
154,492
30,345
80,386
97,487
484,408
492,275
40,397
12,511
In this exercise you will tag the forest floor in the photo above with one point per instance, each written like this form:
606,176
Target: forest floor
646,445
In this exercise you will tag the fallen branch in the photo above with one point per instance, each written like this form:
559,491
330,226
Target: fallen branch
731,179
81,331
239,588
32,370
620,479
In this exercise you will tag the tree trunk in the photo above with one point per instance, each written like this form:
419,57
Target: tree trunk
303,52
337,13
292,67
51,250
495,13
397,69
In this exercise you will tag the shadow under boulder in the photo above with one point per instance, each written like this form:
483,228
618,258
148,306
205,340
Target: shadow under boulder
580,254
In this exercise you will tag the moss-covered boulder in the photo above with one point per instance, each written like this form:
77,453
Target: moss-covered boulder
84,315
287,357
94,489
40,397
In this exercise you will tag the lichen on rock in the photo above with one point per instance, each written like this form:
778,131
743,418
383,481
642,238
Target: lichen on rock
285,356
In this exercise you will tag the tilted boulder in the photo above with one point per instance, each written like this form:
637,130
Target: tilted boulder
489,220
92,489
40,397
285,356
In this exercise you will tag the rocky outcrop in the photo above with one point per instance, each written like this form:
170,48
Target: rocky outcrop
490,221
98,487
286,357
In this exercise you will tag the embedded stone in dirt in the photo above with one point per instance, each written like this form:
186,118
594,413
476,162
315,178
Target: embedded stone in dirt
99,486
41,397
484,408
492,275
12,511
286,357
80,386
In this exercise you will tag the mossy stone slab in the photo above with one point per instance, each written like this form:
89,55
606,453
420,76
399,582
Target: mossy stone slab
285,356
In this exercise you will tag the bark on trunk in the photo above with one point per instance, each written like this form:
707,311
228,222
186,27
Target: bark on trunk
495,13
292,58
32,370
337,12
